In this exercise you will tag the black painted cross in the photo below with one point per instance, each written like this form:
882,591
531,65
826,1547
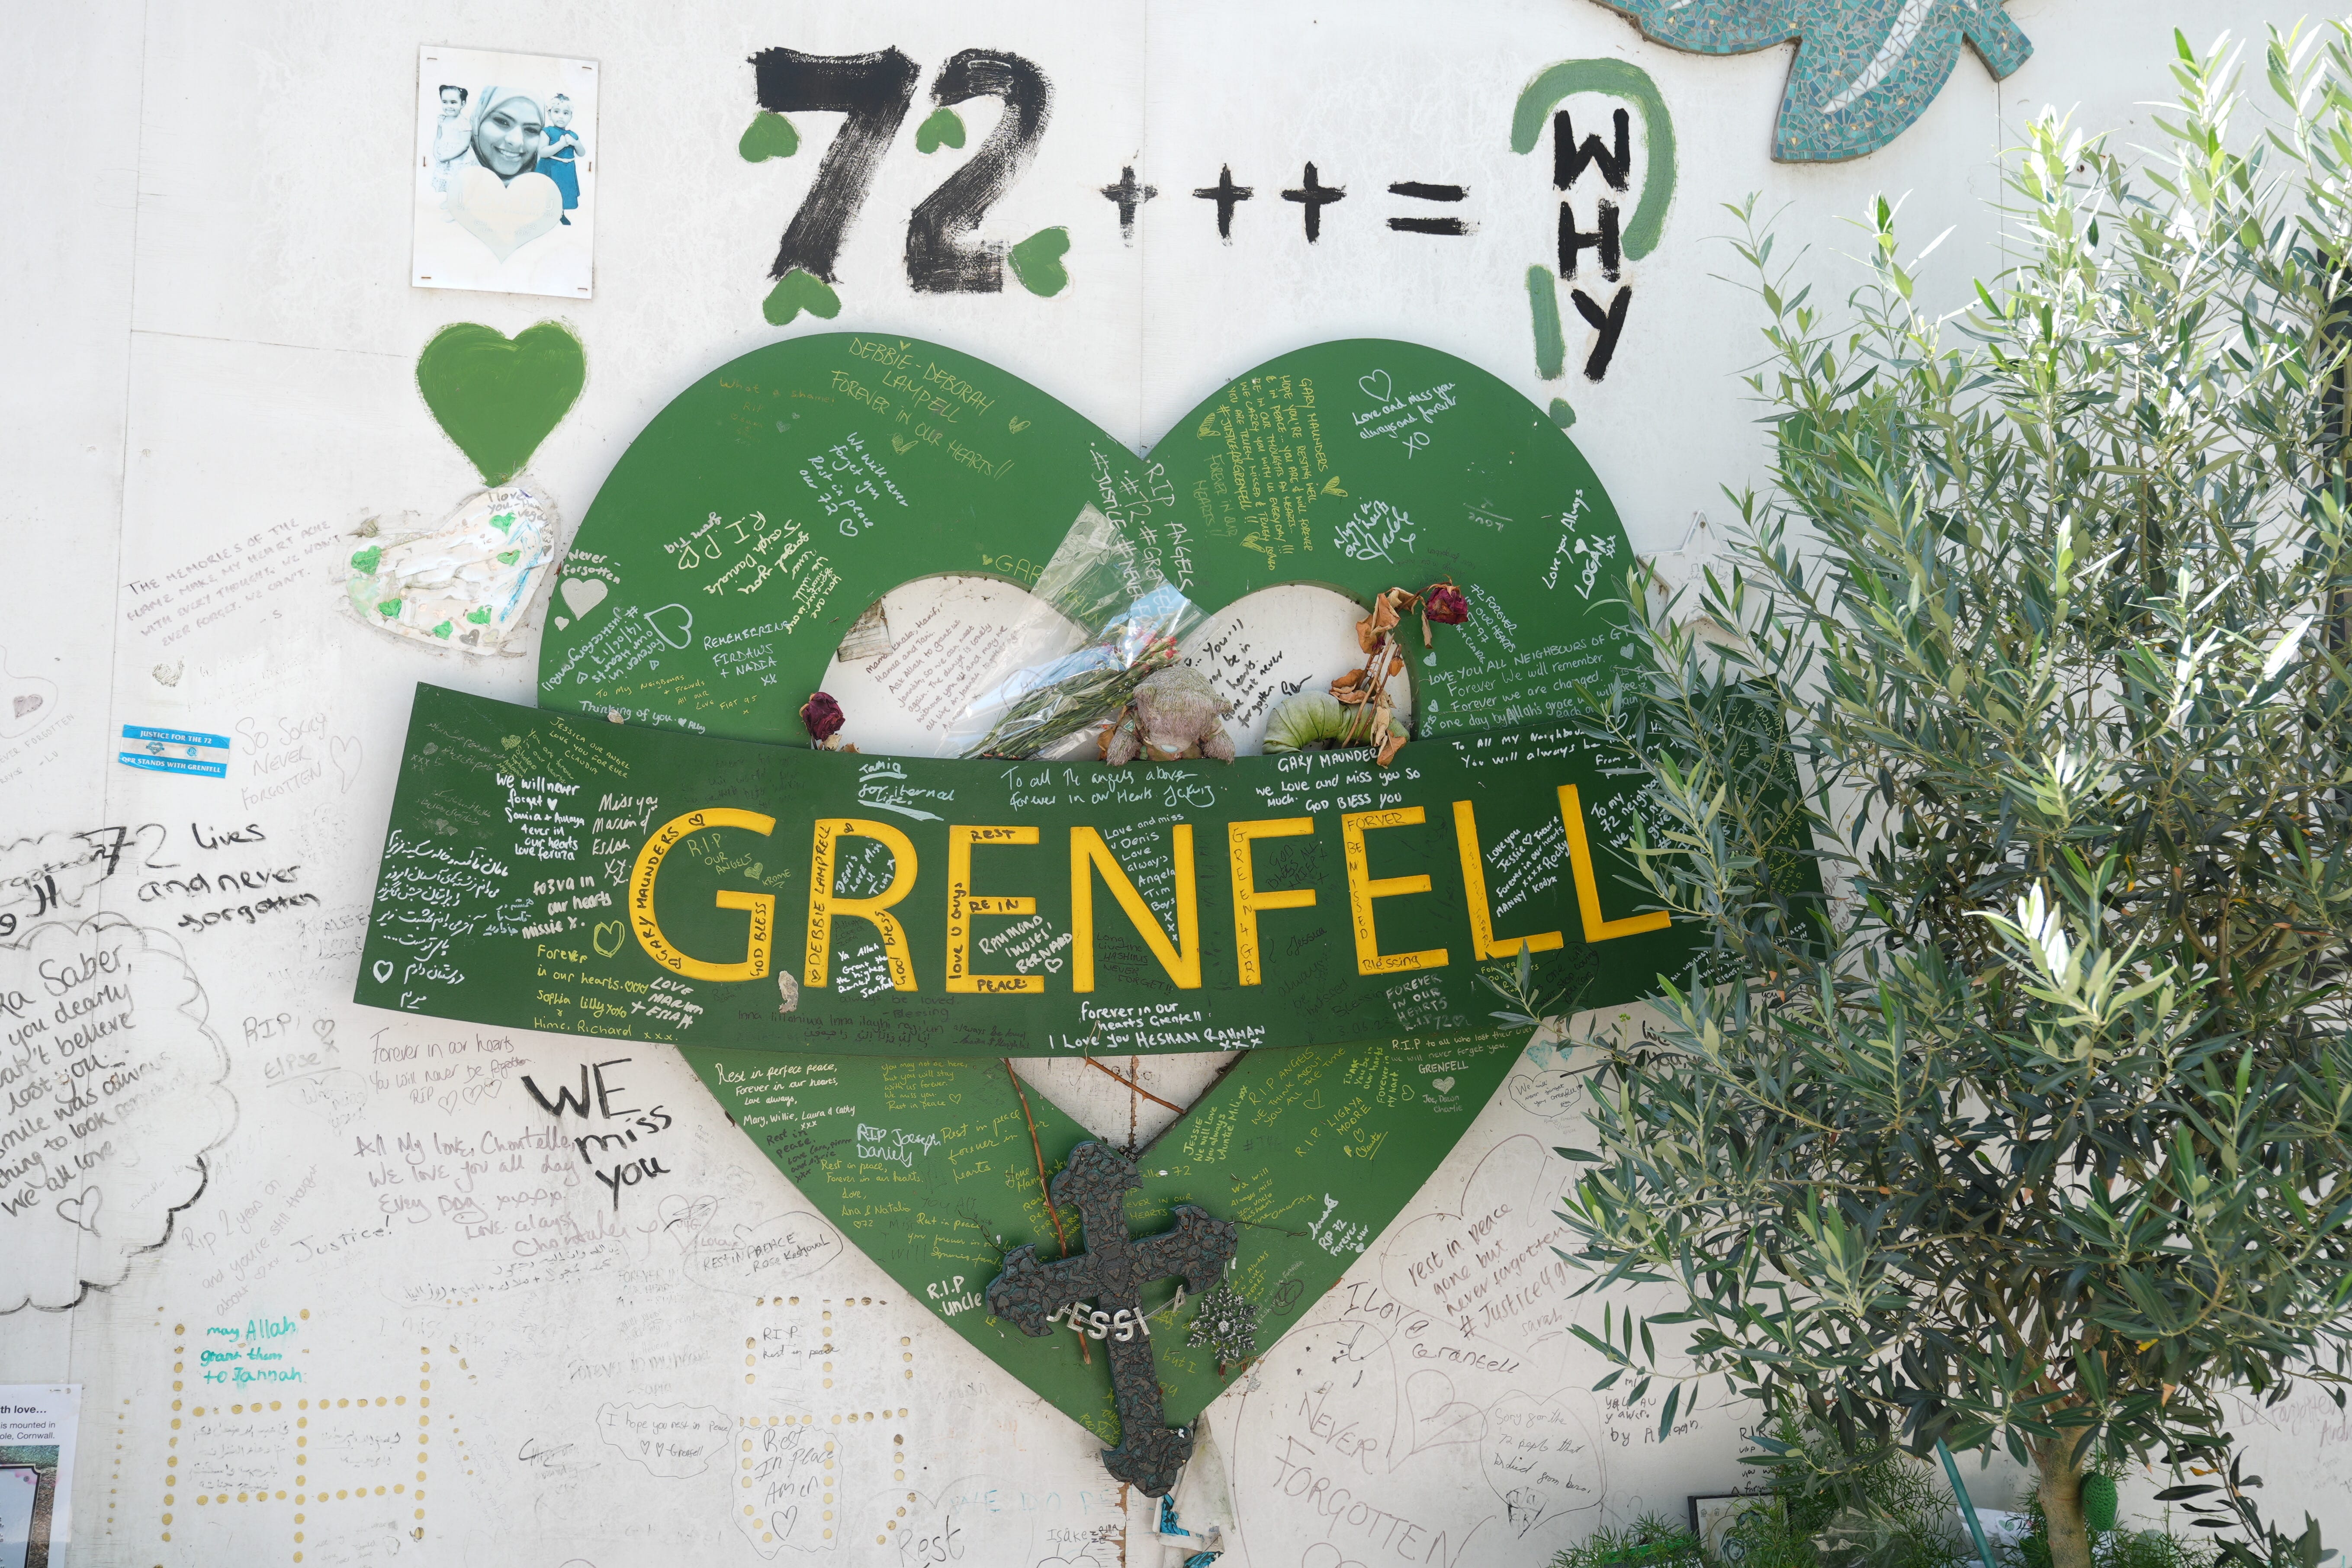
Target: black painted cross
1314,196
1111,1272
1224,193
1126,196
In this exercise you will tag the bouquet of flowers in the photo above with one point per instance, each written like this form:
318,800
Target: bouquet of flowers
1132,618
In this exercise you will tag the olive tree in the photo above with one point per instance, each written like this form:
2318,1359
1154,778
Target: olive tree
2020,1117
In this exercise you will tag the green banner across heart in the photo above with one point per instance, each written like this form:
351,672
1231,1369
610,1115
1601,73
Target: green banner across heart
545,872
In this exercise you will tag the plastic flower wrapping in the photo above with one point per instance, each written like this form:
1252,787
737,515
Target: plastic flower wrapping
1130,619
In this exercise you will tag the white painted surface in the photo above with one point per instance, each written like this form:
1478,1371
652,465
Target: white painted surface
209,337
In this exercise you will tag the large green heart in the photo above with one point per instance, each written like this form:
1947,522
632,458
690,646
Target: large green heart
497,397
492,905
1359,465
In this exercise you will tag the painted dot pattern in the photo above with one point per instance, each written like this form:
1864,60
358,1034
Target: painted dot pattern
803,1473
310,1469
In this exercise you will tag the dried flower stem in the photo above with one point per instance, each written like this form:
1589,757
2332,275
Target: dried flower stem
1043,1185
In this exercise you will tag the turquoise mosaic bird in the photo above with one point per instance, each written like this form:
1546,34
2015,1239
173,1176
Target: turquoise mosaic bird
1865,70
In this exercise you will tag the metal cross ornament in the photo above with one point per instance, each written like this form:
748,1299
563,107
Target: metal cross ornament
1111,1272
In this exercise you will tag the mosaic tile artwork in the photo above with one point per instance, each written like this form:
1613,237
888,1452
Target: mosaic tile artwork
1865,70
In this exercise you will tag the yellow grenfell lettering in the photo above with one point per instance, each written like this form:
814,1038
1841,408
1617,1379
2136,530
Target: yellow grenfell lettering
963,904
1181,960
1473,890
760,943
1247,900
1362,889
1588,890
824,906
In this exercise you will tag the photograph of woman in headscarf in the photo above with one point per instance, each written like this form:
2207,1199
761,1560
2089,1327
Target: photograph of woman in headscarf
507,129
499,194
505,192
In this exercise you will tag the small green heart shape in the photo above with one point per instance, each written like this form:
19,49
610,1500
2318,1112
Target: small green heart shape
497,397
388,609
441,630
800,290
509,557
366,561
944,128
767,136
1038,261
503,522
480,617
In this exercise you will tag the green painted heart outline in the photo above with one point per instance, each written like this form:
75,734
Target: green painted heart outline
1357,465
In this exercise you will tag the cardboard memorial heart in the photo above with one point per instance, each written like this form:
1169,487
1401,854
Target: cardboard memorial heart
505,216
499,398
1362,465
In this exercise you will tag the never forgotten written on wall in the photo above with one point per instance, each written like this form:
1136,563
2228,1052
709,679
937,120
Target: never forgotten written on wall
547,871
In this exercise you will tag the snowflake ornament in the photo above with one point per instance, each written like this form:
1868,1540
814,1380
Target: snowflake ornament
1227,1324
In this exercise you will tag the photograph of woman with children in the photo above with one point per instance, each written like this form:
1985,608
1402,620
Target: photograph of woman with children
506,173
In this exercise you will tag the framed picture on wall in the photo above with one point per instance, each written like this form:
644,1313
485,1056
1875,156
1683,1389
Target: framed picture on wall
1715,1517
504,173
27,1485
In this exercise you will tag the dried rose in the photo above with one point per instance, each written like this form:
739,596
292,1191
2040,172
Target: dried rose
822,716
1386,611
1446,604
